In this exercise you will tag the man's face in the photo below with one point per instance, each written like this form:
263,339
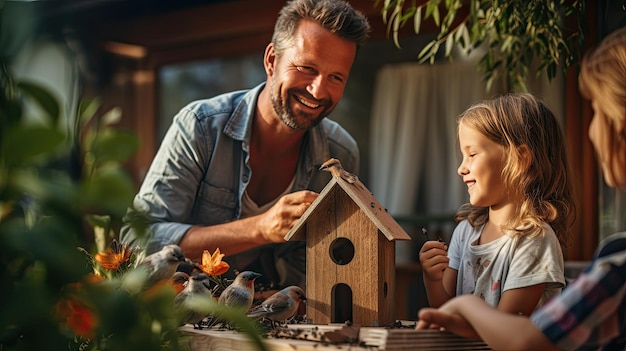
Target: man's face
308,78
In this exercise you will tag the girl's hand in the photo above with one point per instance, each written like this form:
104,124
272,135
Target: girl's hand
434,259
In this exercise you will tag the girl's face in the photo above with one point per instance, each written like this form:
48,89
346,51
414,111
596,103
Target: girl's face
611,153
481,168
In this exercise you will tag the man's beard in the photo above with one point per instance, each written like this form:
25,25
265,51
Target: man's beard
285,113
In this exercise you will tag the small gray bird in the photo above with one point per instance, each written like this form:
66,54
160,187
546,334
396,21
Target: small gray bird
178,281
162,264
240,293
197,285
334,167
280,306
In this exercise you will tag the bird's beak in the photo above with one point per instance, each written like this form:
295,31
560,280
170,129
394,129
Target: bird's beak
322,167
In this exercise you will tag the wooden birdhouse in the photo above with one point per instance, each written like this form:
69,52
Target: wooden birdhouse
350,255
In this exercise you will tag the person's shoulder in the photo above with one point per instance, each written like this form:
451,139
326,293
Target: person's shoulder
612,245
464,224
234,103
223,103
548,233
464,227
335,132
544,236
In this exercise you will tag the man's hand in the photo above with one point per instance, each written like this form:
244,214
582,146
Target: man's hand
278,220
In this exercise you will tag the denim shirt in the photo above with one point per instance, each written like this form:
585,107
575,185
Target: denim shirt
201,170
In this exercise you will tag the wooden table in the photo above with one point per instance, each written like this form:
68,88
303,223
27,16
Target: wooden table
369,339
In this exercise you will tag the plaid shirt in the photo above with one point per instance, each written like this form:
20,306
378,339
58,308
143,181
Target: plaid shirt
590,313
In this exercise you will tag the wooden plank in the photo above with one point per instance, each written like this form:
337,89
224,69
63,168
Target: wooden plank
319,280
308,337
218,340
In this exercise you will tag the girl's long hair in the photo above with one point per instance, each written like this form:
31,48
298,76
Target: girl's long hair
536,170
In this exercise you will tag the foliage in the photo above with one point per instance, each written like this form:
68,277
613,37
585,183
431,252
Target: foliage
53,187
511,32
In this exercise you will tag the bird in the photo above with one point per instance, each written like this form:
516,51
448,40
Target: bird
178,281
334,167
162,264
198,285
280,306
240,293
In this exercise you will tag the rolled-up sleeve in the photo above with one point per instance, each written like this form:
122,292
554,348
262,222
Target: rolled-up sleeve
168,193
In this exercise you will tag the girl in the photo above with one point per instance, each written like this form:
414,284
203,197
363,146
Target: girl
507,248
591,312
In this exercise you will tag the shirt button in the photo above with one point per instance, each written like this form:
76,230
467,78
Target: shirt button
244,179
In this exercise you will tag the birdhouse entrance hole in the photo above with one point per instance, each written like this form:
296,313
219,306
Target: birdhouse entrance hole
341,305
341,251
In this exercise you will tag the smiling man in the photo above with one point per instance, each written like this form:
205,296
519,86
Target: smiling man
236,171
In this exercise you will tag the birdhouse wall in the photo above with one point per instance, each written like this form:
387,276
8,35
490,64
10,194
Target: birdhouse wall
369,274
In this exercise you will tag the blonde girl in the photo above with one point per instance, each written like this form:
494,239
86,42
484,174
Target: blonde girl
590,313
507,247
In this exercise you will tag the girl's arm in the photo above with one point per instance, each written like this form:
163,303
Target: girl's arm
469,315
521,301
439,279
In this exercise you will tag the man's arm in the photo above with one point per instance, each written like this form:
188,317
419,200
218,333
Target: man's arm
240,235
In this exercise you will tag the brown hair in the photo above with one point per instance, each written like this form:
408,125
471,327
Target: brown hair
336,16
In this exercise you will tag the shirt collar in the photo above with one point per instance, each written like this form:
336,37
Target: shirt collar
239,127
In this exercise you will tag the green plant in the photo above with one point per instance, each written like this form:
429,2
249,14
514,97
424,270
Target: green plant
513,33
53,188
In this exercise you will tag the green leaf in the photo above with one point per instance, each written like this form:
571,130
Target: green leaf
425,53
417,20
114,145
449,45
113,116
25,143
87,110
436,16
103,221
43,98
386,6
432,5
111,191
395,21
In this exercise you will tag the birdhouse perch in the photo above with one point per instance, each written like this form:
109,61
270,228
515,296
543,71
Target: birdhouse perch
350,254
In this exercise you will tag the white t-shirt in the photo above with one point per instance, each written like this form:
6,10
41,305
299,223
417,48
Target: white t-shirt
509,262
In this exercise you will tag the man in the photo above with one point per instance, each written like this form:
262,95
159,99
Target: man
238,170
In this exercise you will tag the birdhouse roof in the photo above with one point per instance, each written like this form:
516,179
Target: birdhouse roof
366,202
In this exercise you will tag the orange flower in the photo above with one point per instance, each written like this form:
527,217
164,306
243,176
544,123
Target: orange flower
115,256
213,264
78,317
